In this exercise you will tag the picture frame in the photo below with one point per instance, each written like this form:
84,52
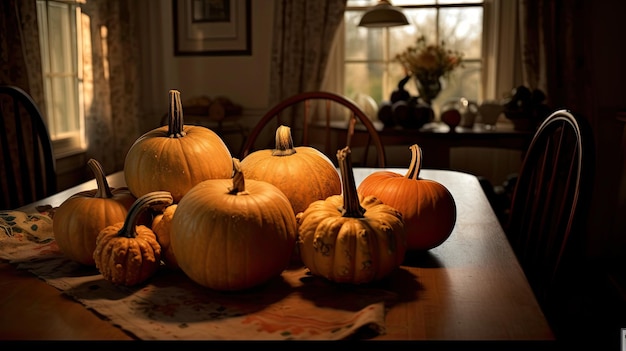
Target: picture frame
212,27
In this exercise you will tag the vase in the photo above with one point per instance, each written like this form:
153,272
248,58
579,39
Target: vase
428,86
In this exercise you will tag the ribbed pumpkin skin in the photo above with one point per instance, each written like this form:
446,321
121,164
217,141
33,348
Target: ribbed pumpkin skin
351,250
79,219
304,177
157,161
427,207
127,261
303,173
349,239
233,242
128,253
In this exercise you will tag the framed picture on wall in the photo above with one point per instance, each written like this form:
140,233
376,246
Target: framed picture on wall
212,27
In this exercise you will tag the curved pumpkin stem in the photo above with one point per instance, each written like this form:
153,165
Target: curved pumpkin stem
239,183
152,199
176,123
284,142
104,190
351,204
416,162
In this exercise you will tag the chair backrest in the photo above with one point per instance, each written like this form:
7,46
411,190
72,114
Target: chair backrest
322,120
548,207
28,166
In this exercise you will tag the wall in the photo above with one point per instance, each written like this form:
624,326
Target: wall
243,79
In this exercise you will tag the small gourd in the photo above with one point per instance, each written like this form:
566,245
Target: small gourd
79,219
303,173
162,227
346,239
175,157
428,208
127,253
233,234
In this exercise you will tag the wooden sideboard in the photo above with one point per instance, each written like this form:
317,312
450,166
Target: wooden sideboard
436,139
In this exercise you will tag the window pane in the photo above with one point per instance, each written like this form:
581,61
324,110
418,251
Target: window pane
461,29
370,67
60,42
423,22
362,43
58,38
64,95
366,78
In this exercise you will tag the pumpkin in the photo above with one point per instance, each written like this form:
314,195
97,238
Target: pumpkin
428,208
162,226
175,157
79,219
303,173
348,239
127,253
233,234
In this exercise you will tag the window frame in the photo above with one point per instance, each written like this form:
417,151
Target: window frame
58,102
500,66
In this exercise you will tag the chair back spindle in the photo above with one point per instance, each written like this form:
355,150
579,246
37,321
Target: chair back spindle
29,167
549,203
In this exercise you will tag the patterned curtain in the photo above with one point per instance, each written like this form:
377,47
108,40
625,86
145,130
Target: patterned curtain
111,83
112,116
20,58
303,34
552,57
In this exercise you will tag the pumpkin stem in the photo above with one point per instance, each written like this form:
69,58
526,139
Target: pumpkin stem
175,124
416,162
104,190
284,142
153,199
239,183
351,204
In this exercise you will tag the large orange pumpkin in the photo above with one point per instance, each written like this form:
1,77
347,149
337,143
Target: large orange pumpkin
303,173
428,208
175,157
231,234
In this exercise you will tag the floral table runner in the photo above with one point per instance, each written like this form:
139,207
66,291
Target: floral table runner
296,306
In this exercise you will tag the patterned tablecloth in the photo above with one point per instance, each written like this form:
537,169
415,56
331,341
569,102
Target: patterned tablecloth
296,306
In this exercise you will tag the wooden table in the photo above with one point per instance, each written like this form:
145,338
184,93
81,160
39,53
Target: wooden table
469,288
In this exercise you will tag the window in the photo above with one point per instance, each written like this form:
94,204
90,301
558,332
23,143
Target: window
369,66
59,32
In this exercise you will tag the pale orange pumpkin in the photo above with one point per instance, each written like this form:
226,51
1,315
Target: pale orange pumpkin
127,253
79,219
162,227
303,173
175,157
233,234
428,208
348,239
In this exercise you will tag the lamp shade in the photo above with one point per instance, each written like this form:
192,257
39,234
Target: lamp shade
383,15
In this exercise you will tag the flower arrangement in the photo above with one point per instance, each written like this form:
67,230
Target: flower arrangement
429,60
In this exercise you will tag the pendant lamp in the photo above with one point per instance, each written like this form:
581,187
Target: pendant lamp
384,14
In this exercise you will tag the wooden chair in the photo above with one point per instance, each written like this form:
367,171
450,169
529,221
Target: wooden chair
548,209
317,119
28,166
